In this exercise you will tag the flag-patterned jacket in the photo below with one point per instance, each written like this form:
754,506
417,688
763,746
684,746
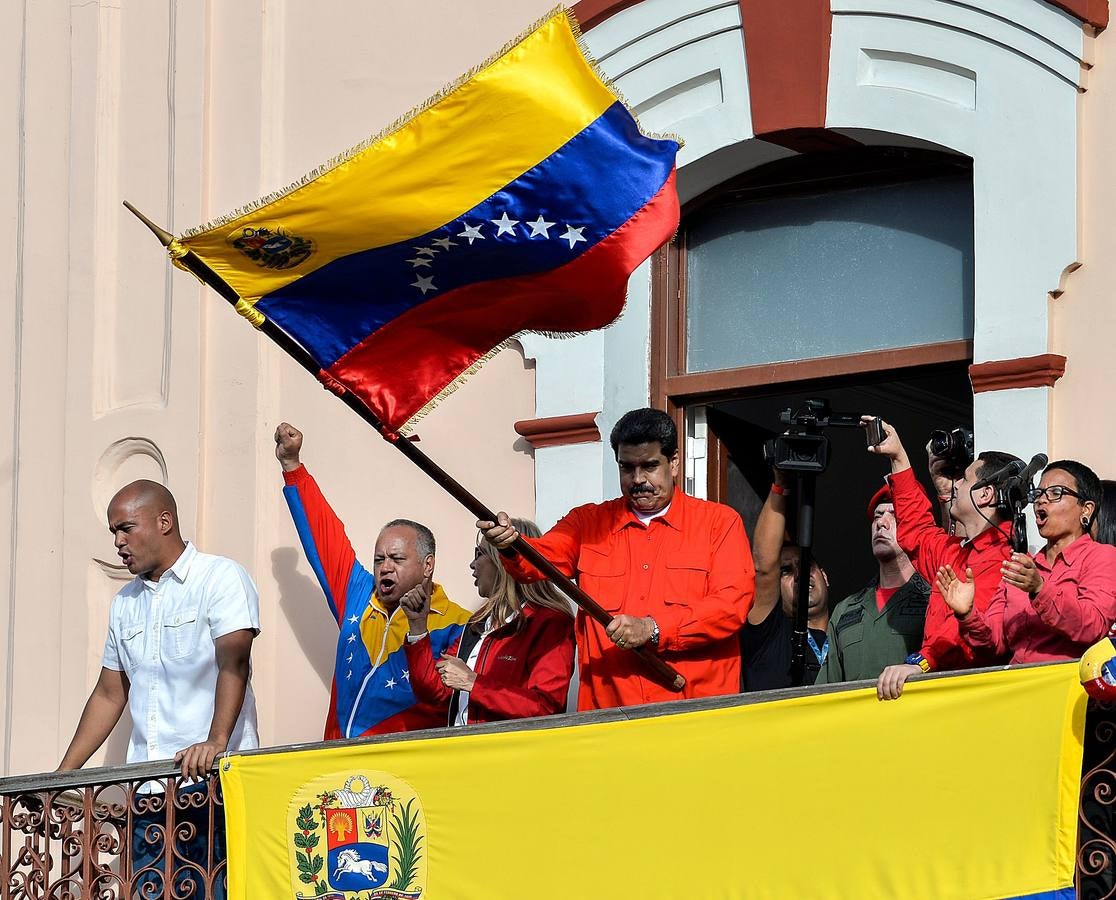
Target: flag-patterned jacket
371,691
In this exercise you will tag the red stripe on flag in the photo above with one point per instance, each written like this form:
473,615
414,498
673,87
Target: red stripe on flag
401,367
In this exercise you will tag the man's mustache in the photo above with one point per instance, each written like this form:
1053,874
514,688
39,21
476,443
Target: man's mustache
642,489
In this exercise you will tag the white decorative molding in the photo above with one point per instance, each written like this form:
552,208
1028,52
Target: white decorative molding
695,96
112,43
919,75
1009,73
1037,34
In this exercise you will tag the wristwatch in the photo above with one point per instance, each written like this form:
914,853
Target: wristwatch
917,659
654,639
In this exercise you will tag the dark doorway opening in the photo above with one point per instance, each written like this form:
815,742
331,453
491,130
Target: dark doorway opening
915,401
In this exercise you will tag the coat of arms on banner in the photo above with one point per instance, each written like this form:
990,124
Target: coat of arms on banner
360,837
272,247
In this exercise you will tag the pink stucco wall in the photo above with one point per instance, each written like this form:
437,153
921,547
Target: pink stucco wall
1083,318
114,367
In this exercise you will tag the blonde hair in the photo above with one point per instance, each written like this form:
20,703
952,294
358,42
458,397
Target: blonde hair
509,596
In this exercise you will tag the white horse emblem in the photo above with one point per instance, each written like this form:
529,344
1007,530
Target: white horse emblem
350,861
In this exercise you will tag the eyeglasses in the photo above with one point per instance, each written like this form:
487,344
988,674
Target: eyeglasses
1053,494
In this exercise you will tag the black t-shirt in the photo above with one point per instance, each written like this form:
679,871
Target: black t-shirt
766,650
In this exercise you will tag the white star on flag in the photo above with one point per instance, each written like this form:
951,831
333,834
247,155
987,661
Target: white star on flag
350,675
472,233
350,659
420,261
427,284
352,638
504,225
540,226
353,619
445,243
406,675
573,235
425,251
390,684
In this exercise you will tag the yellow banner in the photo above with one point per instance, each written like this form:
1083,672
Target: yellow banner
966,787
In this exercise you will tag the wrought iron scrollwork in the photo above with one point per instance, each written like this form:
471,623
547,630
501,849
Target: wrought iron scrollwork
116,840
1096,841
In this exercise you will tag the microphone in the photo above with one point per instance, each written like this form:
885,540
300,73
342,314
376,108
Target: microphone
1011,470
1037,464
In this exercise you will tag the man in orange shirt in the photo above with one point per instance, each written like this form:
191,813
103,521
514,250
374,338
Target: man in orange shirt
674,571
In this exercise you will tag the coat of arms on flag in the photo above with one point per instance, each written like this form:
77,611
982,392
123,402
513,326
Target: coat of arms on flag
363,838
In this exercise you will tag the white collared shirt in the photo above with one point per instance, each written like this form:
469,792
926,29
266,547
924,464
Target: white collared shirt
462,717
161,635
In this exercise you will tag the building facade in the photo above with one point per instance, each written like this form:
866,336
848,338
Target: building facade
989,124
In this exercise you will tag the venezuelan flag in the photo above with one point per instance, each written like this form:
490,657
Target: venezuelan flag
520,199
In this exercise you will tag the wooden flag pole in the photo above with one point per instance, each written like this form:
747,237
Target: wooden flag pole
663,672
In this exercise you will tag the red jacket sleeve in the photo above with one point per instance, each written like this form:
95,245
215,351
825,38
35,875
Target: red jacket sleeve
327,547
730,589
548,678
561,545
985,629
943,645
1082,609
924,541
426,684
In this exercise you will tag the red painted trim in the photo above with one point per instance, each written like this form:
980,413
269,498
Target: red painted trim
560,431
592,12
454,331
1092,12
786,47
787,54
1028,371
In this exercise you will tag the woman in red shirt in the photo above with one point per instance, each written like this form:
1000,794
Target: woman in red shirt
1056,603
515,657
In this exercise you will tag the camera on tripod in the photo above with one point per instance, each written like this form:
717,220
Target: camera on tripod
803,447
954,448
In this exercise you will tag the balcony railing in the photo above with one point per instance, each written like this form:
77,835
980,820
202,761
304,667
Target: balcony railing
110,834
125,832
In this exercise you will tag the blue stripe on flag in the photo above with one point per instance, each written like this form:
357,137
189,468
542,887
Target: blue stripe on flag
331,310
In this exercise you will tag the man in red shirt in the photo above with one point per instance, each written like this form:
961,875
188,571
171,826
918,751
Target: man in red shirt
929,547
674,571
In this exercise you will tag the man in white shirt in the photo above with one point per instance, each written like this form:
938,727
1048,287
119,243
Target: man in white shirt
178,648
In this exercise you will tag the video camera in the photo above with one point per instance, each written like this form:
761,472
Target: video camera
803,447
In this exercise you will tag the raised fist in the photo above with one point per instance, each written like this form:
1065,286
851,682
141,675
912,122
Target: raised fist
288,445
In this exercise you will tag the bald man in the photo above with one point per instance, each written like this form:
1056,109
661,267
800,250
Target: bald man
180,637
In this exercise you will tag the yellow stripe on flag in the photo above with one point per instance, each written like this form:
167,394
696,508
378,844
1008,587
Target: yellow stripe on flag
966,787
514,113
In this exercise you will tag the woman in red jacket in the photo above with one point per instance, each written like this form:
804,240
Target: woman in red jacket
515,657
1058,602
